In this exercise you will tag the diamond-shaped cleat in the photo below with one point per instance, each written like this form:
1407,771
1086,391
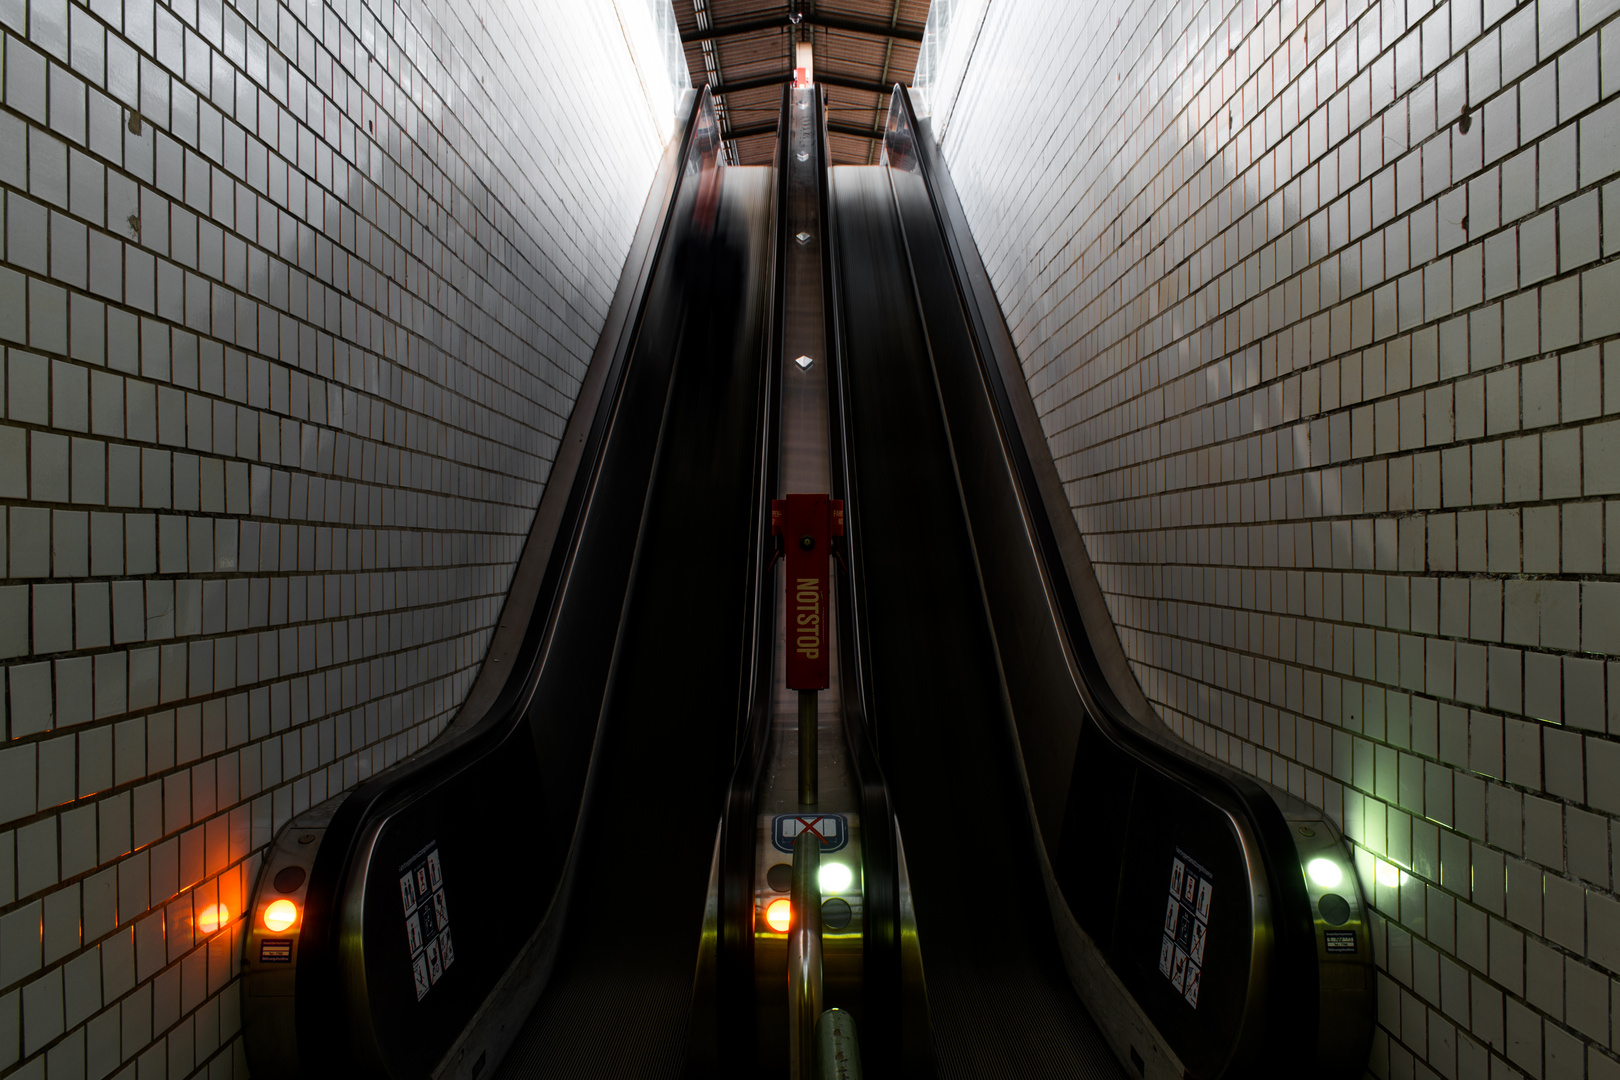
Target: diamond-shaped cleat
803,238
804,363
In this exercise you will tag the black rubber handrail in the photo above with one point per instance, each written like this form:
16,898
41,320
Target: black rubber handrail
881,980
734,959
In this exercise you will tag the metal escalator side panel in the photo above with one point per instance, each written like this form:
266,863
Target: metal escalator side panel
271,944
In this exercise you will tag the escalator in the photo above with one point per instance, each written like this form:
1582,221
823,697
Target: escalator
1091,893
1042,881
1000,1001
564,836
666,735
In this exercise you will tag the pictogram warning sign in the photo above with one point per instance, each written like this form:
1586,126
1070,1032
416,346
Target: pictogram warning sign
427,918
1186,925
831,828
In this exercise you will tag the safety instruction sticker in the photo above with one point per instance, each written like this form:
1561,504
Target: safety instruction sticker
427,918
1186,925
831,828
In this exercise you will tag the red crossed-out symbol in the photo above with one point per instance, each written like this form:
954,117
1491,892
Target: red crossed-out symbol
808,825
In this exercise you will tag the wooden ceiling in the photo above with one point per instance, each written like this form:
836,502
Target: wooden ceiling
743,49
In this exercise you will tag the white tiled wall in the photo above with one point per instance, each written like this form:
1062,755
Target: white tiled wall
1320,307
295,299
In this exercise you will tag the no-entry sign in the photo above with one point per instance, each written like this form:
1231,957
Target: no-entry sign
807,524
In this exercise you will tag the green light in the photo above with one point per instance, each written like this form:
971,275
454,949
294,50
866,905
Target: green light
835,878
1389,876
1325,873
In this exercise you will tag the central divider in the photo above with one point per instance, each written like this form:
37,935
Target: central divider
789,942
806,788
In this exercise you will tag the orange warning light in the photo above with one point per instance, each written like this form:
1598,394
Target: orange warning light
280,915
779,915
213,917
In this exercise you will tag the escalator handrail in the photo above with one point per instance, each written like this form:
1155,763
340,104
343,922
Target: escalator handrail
734,957
880,840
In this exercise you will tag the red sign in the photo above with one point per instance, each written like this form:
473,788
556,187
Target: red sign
807,524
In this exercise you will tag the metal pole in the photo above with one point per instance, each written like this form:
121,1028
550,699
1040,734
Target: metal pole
804,955
809,748
838,1052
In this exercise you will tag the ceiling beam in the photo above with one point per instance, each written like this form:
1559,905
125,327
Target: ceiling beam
744,131
860,131
737,86
826,22
871,86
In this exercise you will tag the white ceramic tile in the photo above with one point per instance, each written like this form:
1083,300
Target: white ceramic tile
1390,299
199,344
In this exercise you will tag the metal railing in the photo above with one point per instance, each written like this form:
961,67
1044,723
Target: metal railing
838,1052
804,955
822,1044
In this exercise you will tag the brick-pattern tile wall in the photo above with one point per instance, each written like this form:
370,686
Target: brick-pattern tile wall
295,299
1319,305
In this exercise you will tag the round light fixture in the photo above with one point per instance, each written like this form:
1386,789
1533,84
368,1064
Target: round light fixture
835,878
280,915
779,915
1325,873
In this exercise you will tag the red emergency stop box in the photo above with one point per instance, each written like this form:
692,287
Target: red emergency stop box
807,524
